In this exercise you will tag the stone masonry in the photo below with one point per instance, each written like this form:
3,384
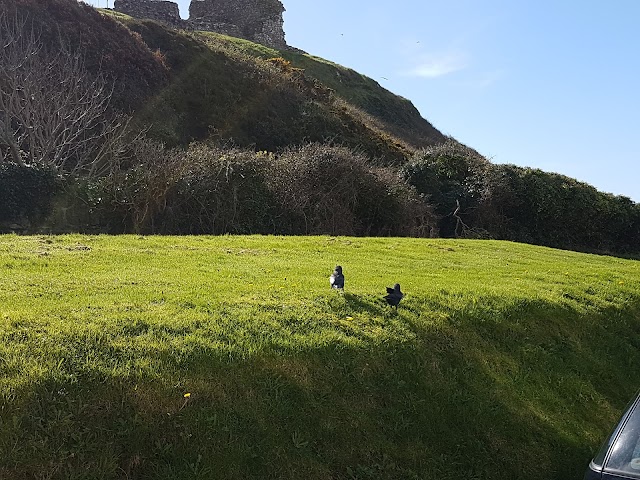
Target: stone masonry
160,10
260,21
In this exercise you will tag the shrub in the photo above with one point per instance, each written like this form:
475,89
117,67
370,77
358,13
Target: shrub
533,206
407,213
323,189
521,204
26,193
222,191
448,176
203,190
314,189
138,189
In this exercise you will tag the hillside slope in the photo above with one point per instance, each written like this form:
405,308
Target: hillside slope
185,87
397,114
232,89
107,46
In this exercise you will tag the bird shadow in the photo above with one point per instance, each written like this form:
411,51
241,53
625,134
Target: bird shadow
361,305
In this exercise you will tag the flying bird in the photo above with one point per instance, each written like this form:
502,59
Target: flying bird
394,295
337,278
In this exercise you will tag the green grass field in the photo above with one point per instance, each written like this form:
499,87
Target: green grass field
230,358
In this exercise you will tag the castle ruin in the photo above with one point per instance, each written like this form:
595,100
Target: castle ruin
259,21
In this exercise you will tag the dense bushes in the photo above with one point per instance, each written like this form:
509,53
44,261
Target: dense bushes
451,177
551,209
476,198
314,189
221,191
323,189
449,190
25,195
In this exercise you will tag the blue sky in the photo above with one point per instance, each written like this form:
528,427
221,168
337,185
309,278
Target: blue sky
550,84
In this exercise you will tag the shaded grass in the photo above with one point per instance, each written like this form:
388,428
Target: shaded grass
503,361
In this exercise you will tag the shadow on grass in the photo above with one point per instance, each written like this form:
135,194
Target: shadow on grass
526,394
371,305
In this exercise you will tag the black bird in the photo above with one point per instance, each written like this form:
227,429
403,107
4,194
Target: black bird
337,278
394,295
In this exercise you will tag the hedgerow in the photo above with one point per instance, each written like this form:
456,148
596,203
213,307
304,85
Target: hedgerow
474,197
311,189
26,194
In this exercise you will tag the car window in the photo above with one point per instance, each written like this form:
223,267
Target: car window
625,453
598,460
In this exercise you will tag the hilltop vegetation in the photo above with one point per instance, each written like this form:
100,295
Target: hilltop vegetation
230,90
503,361
201,131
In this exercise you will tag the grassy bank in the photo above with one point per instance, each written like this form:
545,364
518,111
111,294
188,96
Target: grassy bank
229,357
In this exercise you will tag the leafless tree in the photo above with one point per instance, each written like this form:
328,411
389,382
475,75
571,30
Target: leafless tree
53,111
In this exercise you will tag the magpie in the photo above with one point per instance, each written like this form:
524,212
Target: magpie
337,278
394,295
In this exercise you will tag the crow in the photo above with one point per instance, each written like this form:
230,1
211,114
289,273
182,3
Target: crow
337,278
394,295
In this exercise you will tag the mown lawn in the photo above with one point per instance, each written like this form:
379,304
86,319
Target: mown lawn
229,357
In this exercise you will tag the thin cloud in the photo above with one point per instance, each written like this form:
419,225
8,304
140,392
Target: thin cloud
438,65
484,80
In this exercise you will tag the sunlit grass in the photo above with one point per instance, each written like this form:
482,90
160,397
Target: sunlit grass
230,357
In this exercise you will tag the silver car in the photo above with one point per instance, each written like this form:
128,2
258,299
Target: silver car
619,456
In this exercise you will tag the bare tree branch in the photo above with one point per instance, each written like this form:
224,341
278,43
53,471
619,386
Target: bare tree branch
53,111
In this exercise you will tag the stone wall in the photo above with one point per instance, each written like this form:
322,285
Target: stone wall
256,20
260,21
160,10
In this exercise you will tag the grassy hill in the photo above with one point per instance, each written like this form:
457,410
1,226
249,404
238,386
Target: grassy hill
190,86
229,357
231,89
393,113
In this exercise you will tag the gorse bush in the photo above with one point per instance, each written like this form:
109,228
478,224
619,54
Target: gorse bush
320,189
223,191
138,189
201,190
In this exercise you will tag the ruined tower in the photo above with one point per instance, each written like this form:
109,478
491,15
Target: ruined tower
160,10
260,21
257,20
